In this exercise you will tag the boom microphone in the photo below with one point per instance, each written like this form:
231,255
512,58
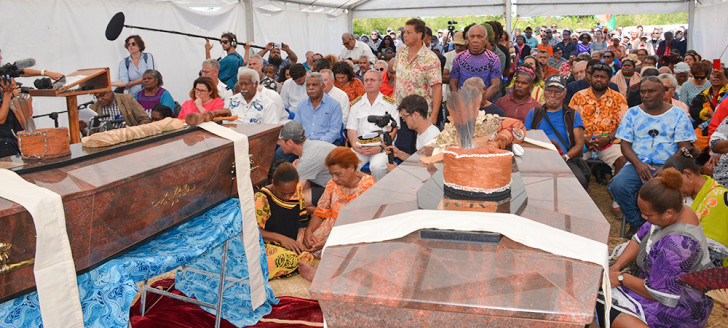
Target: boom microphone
24,63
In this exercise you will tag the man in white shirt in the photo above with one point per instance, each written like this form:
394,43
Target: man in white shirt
413,111
250,105
339,95
363,135
354,49
211,68
294,89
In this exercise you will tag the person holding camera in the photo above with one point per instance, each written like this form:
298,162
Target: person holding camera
413,111
365,136
9,124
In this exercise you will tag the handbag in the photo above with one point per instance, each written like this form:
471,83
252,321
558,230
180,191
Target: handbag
577,161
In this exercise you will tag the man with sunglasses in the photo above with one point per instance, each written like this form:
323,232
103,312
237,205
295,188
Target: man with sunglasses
650,134
231,62
355,49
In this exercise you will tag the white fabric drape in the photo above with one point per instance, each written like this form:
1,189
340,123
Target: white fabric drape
54,270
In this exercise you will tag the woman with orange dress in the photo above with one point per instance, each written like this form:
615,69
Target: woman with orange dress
345,80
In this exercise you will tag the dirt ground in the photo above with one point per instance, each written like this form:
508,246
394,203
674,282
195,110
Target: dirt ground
600,195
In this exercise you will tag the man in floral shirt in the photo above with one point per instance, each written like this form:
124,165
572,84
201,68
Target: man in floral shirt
252,106
418,73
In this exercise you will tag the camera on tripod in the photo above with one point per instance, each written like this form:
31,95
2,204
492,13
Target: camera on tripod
451,26
382,121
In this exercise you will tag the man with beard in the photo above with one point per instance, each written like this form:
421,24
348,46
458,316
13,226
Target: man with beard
252,106
518,103
275,56
601,109
578,85
562,125
319,114
567,47
476,61
232,61
650,134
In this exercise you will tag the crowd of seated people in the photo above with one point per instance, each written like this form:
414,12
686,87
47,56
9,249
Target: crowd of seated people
638,104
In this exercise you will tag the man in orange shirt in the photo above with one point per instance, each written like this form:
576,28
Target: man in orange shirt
388,75
543,58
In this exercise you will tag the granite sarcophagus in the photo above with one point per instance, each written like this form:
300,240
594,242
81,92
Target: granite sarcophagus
117,197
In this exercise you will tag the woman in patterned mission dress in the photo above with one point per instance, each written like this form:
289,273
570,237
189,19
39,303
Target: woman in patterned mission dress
281,213
670,245
346,184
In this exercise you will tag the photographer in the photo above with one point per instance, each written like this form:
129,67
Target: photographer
9,124
413,111
364,136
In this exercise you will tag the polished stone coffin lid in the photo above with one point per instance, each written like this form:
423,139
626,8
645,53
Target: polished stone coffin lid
117,197
411,282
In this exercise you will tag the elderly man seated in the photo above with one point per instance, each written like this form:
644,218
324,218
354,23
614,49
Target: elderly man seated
365,137
319,114
120,106
251,105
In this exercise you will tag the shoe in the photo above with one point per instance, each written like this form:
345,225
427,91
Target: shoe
615,208
632,230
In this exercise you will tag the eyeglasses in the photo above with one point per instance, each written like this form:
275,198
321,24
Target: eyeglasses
608,56
224,41
201,91
130,44
405,116
381,69
699,77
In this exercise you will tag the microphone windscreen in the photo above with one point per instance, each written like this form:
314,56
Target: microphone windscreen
116,24
24,63
43,83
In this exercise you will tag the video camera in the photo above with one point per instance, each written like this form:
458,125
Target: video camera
16,69
451,26
382,121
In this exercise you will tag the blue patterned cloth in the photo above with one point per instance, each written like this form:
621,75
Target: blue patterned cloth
654,138
107,291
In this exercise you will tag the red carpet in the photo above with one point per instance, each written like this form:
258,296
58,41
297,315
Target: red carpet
168,313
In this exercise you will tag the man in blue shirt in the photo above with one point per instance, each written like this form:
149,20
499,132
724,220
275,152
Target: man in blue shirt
531,41
650,134
320,114
230,64
562,125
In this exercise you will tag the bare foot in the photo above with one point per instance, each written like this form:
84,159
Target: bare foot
307,271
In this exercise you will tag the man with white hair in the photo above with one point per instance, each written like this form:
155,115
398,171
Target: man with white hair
251,105
211,68
339,95
309,63
319,114
354,49
256,63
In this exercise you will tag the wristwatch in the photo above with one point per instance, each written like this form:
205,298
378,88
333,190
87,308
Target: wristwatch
620,278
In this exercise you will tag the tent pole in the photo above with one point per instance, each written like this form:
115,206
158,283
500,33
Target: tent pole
350,16
508,13
249,21
691,24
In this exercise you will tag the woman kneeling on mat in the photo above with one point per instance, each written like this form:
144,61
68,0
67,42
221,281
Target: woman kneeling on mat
281,213
670,245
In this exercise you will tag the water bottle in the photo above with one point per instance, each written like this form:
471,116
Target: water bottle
594,154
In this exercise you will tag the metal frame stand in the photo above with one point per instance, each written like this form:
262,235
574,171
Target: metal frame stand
221,289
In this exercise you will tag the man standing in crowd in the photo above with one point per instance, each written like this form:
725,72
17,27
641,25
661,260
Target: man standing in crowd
458,41
311,166
319,114
211,69
650,134
601,109
518,103
562,125
567,47
355,49
476,61
365,140
275,59
531,41
294,89
232,61
418,72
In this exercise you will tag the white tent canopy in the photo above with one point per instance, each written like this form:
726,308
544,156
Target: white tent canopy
65,35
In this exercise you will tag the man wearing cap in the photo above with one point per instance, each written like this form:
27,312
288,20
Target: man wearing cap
364,136
562,125
311,167
642,44
567,47
682,74
531,41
